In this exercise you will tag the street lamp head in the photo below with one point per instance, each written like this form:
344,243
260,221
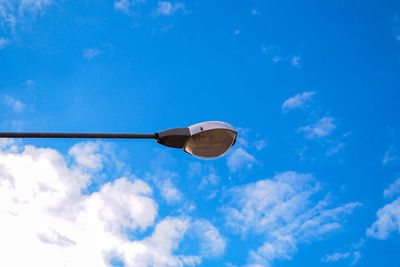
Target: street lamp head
210,139
204,140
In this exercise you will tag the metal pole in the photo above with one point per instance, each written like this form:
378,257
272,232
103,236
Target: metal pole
77,135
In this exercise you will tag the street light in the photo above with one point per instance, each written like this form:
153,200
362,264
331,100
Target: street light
206,140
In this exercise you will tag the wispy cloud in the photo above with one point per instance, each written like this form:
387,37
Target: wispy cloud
255,12
212,243
207,173
169,192
8,144
242,155
282,212
166,8
210,179
335,149
164,180
162,9
13,13
320,129
126,5
393,189
260,144
240,158
194,169
33,5
270,50
295,61
397,34
274,53
13,103
335,257
276,59
122,5
396,28
297,101
352,254
91,53
389,156
4,42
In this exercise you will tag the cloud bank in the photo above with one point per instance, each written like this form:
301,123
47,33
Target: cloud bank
47,219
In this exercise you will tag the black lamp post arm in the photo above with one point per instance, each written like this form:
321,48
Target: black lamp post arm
77,135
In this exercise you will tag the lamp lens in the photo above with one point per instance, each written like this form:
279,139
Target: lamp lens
211,143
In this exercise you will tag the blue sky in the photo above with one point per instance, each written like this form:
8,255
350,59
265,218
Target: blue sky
311,86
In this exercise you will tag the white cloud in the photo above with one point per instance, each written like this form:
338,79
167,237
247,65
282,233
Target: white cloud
388,217
353,255
393,189
95,156
297,101
169,192
389,156
15,104
388,221
281,211
46,218
166,8
295,61
91,53
240,158
212,244
321,128
88,155
8,144
156,249
164,181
